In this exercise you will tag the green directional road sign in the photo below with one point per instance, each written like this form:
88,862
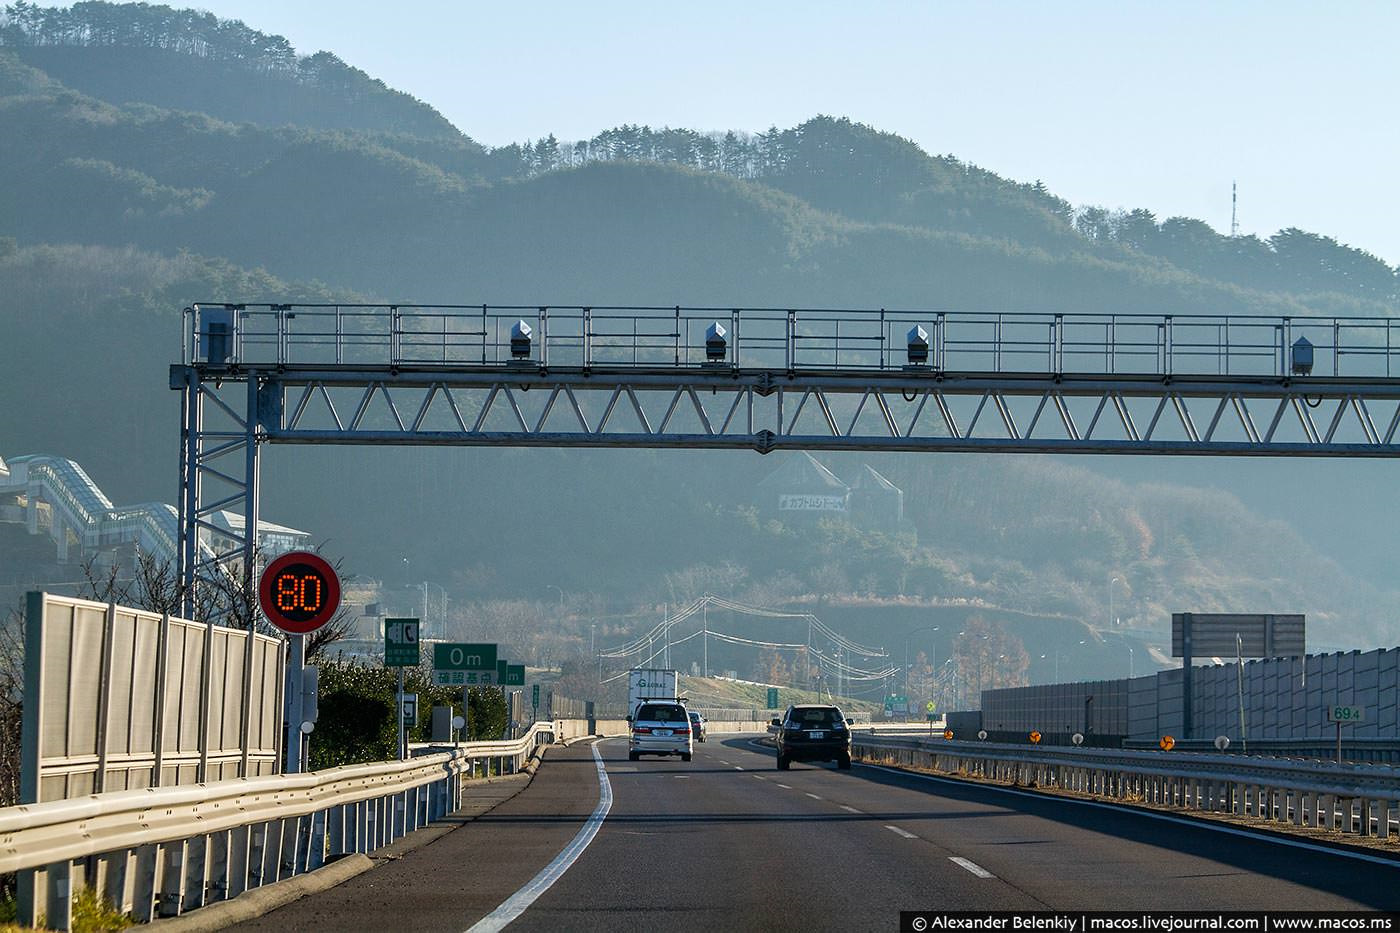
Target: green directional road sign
400,642
772,697
464,656
535,696
510,675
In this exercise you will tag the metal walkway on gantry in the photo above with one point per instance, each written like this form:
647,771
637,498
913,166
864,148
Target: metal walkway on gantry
768,379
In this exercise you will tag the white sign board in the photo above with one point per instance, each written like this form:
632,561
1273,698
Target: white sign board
408,703
401,631
809,503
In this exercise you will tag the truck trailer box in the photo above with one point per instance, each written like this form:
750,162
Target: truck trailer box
647,683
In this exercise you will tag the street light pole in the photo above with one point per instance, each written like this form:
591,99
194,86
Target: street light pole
914,631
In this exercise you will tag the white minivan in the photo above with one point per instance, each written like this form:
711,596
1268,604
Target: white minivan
660,727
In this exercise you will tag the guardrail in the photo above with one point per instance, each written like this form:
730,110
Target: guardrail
1349,798
163,851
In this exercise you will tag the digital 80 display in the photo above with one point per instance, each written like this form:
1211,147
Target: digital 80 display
299,592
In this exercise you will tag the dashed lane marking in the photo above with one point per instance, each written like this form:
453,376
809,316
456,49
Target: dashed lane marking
905,833
813,796
971,866
851,809
784,786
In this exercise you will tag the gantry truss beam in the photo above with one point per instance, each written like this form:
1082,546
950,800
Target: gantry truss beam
765,411
760,379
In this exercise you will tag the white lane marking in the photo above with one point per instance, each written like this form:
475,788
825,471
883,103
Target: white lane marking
813,796
737,768
760,777
517,903
1166,818
852,809
903,832
681,777
784,786
971,866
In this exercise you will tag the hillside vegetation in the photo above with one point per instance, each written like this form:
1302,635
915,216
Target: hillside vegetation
150,157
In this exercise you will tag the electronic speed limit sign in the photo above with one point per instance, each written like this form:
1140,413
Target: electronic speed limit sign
299,592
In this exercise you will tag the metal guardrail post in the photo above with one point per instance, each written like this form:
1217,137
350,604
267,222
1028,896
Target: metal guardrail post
58,884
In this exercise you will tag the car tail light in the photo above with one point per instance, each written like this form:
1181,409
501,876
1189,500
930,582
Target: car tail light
682,732
641,730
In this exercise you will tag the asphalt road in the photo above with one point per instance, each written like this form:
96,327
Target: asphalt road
728,841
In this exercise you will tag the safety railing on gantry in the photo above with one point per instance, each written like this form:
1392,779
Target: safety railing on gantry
817,339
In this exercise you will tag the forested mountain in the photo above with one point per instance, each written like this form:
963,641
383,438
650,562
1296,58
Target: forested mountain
150,157
191,60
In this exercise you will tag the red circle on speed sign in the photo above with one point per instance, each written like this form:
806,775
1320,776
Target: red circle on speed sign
299,592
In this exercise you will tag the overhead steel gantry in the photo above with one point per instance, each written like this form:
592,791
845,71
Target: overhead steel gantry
762,379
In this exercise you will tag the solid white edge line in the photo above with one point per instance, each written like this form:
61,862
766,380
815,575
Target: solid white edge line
903,832
971,866
1165,817
517,903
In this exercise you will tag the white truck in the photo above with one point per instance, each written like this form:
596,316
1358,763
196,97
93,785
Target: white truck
646,683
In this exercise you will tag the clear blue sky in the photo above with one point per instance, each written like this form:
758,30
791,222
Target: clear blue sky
1122,104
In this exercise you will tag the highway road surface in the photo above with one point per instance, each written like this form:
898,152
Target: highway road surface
728,842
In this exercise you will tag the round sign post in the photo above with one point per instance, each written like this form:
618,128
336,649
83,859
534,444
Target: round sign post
299,592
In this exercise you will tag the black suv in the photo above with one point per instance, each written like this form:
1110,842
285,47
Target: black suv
813,733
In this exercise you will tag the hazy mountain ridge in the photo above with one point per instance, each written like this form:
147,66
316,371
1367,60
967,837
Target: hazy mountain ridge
183,59
102,199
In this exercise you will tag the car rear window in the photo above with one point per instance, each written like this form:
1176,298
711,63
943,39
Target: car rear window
813,718
654,712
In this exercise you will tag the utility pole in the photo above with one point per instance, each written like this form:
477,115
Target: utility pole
425,604
705,638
